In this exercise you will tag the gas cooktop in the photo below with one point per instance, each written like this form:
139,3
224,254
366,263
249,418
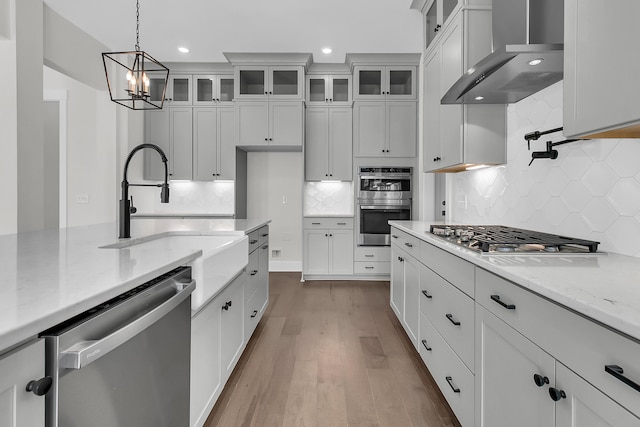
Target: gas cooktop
501,239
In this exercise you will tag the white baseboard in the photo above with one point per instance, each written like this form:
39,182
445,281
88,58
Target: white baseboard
285,265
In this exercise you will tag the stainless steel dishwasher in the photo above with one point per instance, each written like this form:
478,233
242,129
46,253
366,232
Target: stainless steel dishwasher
124,363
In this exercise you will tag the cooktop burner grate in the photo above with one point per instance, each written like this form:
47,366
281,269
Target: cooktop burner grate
495,237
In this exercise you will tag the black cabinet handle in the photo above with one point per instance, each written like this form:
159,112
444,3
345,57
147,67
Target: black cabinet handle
437,28
315,223
426,346
454,388
254,272
556,394
400,259
265,247
267,234
342,223
540,380
226,305
253,242
254,314
409,245
368,256
394,236
497,299
426,294
369,268
40,387
618,372
450,317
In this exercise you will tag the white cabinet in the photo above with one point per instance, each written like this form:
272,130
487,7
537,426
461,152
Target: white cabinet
458,136
585,405
507,363
601,90
372,260
382,82
18,407
257,287
385,129
328,90
172,130
217,341
405,283
328,247
328,145
270,123
213,89
436,15
269,82
214,143
178,90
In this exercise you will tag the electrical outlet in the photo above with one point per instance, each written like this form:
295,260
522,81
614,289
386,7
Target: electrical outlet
82,198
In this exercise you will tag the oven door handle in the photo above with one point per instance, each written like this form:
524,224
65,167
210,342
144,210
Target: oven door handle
390,209
84,353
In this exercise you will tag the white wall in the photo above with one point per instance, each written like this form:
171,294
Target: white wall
272,178
91,150
8,120
591,191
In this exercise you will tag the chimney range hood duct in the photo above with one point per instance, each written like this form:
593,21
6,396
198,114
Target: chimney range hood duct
528,37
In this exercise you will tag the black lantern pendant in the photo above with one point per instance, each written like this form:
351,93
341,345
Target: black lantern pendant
134,78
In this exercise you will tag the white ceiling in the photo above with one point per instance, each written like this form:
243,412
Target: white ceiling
210,27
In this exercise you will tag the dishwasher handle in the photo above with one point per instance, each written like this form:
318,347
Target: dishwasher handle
84,353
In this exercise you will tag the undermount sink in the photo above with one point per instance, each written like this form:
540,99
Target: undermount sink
223,257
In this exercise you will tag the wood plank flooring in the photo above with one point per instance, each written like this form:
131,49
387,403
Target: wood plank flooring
330,353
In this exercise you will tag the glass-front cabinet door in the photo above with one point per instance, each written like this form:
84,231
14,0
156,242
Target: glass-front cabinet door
385,82
436,16
329,89
179,90
278,82
212,89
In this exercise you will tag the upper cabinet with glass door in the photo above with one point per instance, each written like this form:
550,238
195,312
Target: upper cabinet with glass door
269,82
436,15
328,90
372,82
213,89
178,92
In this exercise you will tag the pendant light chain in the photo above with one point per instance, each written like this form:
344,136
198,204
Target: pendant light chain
137,25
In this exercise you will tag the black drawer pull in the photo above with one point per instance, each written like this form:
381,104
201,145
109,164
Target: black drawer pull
265,247
540,380
265,235
497,299
618,372
426,346
254,272
253,242
450,317
369,267
400,259
368,256
454,388
426,294
409,245
394,236
342,223
254,314
315,223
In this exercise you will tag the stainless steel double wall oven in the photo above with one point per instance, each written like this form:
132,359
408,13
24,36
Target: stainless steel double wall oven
384,193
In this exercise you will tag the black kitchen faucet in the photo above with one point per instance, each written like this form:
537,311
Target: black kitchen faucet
126,206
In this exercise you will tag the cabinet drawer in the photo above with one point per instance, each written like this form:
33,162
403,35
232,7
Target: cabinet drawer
334,223
373,253
253,268
263,235
455,270
364,267
448,371
406,242
252,315
254,240
451,312
583,345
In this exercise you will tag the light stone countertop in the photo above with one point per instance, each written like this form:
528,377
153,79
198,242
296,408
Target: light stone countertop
52,275
602,286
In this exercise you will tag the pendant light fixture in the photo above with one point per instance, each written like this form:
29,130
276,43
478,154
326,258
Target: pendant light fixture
134,78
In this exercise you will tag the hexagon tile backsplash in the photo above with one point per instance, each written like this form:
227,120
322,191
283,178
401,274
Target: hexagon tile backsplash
591,191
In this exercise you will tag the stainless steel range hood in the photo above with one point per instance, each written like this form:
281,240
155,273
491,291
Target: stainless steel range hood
527,56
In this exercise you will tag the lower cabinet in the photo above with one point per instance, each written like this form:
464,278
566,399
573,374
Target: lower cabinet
217,341
257,290
328,247
18,407
405,284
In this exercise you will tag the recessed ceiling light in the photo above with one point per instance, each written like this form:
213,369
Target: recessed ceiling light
326,50
535,61
183,49
479,98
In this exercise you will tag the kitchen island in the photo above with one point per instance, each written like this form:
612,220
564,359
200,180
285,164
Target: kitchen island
52,275
522,339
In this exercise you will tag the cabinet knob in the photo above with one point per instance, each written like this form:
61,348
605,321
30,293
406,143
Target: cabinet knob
270,139
266,139
436,159
40,387
437,28
227,305
254,314
540,380
326,100
330,100
556,394
266,93
270,93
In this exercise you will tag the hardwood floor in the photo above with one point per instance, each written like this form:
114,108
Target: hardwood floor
330,353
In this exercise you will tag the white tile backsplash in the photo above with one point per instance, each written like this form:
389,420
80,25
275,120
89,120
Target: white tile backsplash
328,198
196,197
591,191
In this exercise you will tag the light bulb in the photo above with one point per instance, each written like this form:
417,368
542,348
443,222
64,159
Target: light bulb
129,75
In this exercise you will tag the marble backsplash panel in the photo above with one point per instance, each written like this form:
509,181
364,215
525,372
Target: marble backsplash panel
328,198
591,191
